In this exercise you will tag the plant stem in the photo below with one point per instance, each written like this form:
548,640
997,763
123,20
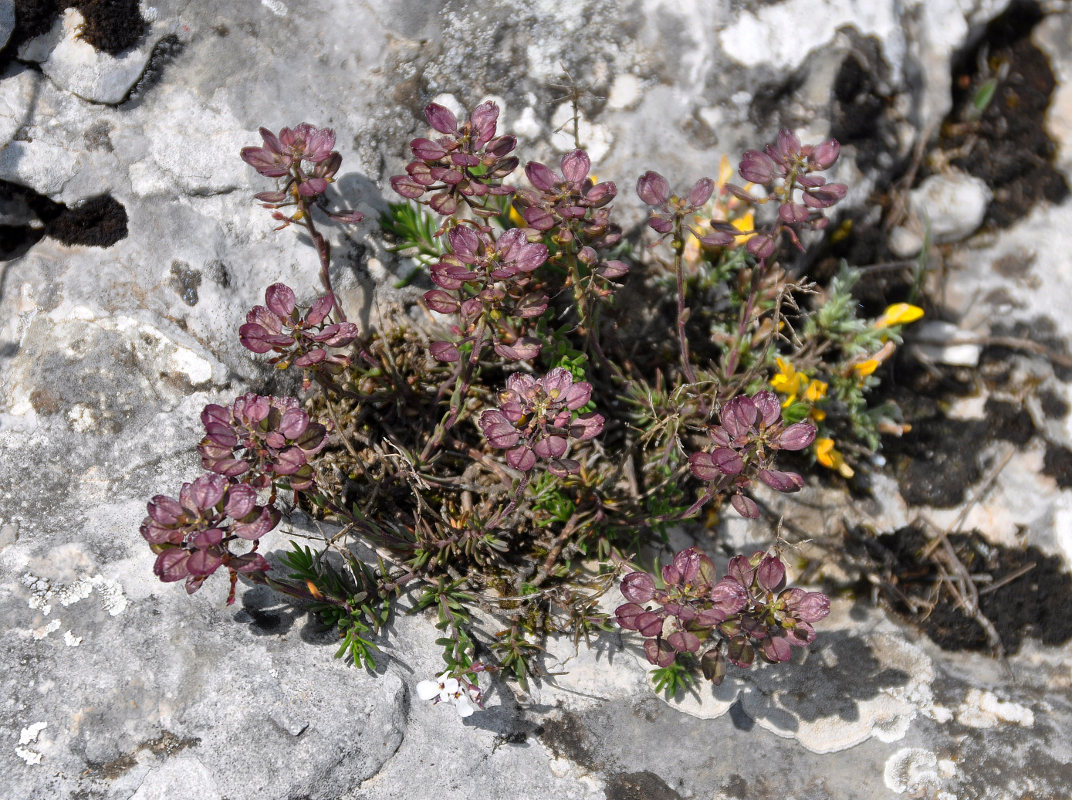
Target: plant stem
461,386
678,244
323,250
746,315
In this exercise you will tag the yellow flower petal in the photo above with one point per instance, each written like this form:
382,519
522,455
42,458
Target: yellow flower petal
898,314
865,368
830,458
823,448
816,391
725,171
746,223
516,218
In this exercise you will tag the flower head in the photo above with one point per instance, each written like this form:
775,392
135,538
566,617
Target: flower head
750,432
488,282
787,170
304,155
192,534
571,204
787,381
464,165
898,314
535,421
671,211
299,339
831,458
745,612
263,438
464,696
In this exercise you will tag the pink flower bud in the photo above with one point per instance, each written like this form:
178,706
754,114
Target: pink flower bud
825,154
653,188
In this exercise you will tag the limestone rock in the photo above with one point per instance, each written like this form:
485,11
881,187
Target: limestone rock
76,66
17,89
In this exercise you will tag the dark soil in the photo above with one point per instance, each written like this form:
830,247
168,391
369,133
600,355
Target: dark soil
860,111
937,460
32,18
1008,421
1037,603
1053,406
1057,463
1007,146
111,26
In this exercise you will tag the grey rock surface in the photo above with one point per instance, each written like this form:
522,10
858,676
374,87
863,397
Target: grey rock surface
117,686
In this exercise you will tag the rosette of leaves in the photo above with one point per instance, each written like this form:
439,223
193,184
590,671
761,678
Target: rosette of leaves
750,434
192,535
713,622
535,420
488,283
299,339
465,165
260,439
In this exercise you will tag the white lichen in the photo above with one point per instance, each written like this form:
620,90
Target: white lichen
911,770
981,709
30,732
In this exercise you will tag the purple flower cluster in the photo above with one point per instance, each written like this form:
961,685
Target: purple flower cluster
750,433
785,169
671,210
572,201
193,533
747,611
465,165
304,155
488,283
299,339
261,438
535,420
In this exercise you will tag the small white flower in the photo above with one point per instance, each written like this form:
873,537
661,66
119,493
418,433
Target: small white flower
441,688
463,705
450,690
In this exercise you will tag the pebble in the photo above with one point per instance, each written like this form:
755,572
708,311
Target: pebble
948,207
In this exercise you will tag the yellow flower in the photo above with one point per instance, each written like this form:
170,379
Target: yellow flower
516,218
746,225
865,368
829,457
861,369
898,314
815,392
725,171
788,381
